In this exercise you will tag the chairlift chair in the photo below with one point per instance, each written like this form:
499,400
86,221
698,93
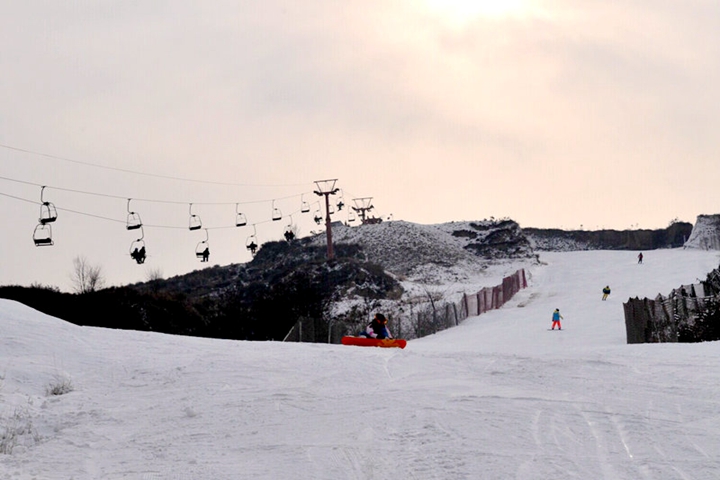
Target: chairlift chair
304,206
289,232
276,213
48,212
133,219
318,217
195,223
42,236
137,251
251,244
137,248
202,249
240,220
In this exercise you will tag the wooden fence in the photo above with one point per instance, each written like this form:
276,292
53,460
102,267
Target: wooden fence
661,319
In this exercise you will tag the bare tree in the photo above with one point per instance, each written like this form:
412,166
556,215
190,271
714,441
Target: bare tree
154,278
154,274
85,277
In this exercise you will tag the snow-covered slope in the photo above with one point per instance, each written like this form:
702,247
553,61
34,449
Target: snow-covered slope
498,397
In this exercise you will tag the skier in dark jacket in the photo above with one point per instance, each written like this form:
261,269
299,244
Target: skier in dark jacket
377,328
606,292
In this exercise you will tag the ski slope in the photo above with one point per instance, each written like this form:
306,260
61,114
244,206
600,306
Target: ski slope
499,397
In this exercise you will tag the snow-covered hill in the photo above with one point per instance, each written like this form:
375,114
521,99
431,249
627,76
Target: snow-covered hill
499,397
419,252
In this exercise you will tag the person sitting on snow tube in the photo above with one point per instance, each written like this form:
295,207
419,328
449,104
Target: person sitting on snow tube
377,328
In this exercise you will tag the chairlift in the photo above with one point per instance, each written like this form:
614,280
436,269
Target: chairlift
133,219
195,222
42,236
304,206
340,203
276,213
318,217
251,242
289,232
240,220
48,212
351,217
137,248
202,250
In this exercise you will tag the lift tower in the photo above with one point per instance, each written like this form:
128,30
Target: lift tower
326,188
363,205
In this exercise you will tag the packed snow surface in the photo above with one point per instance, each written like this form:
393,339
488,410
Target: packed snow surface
498,397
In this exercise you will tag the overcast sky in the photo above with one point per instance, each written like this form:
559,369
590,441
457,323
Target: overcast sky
553,113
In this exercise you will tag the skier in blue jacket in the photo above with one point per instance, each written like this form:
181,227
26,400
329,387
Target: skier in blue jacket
556,317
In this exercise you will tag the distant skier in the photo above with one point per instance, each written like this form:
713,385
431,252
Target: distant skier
606,292
205,254
640,257
377,328
556,317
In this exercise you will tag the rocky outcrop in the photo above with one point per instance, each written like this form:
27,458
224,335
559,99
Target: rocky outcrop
706,233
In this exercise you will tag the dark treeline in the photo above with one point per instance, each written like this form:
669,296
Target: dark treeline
260,300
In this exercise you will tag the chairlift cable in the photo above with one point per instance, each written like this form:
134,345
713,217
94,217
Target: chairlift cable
125,197
135,172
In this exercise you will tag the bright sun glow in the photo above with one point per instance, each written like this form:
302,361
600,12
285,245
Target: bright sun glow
462,12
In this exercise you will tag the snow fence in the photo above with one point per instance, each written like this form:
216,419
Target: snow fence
439,317
687,314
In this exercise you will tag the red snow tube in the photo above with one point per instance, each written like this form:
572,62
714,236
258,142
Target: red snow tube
374,342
